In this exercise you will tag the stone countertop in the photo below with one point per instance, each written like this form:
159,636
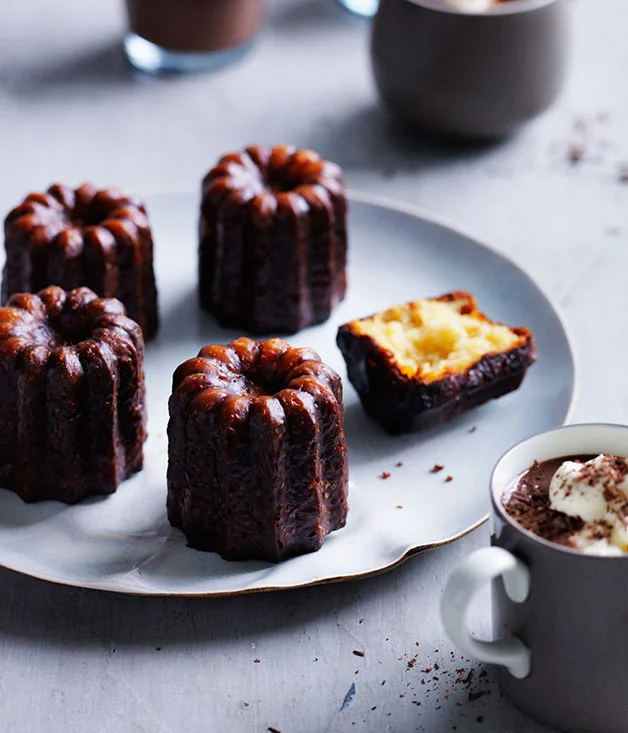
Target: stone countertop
71,109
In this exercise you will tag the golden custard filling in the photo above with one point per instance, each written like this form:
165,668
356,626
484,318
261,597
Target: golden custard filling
430,338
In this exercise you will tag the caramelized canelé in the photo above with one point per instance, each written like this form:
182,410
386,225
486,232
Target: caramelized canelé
72,396
257,453
417,364
273,239
83,237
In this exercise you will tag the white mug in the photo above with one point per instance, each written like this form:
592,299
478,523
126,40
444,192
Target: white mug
560,616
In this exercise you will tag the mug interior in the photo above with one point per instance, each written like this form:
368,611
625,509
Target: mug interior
566,441
511,7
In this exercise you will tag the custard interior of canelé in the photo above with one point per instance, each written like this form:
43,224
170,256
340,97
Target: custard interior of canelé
430,338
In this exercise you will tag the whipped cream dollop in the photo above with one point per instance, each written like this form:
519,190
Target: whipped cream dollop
597,493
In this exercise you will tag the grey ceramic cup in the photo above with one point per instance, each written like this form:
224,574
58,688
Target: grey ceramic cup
560,616
477,75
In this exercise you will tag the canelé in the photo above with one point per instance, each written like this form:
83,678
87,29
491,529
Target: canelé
72,415
272,240
257,463
416,365
83,238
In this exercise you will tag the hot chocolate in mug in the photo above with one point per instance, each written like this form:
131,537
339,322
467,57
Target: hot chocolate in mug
560,616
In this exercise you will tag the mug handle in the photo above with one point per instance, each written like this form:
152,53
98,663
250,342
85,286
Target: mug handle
479,568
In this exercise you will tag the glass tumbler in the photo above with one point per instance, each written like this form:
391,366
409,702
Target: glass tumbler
189,35
365,8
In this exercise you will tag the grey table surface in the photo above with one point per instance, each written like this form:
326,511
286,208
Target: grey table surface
72,110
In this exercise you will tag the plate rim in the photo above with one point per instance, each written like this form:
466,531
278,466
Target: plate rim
364,575
424,215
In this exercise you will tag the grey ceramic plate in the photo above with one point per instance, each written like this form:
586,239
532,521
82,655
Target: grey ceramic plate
124,543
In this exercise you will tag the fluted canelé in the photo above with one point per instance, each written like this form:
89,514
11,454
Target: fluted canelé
72,415
272,239
83,238
257,454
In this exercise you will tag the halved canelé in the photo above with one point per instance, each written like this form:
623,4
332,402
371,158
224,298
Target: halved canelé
418,364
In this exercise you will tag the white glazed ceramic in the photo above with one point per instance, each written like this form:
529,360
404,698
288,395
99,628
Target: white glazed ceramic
124,543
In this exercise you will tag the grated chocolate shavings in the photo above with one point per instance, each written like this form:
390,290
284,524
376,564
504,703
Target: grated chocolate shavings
575,154
473,696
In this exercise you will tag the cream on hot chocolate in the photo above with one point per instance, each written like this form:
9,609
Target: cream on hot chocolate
597,493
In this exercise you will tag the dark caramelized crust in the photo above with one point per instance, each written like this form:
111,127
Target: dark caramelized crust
257,455
272,240
402,401
83,237
72,416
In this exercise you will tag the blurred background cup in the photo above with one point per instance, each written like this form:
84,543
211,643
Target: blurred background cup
189,35
445,68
